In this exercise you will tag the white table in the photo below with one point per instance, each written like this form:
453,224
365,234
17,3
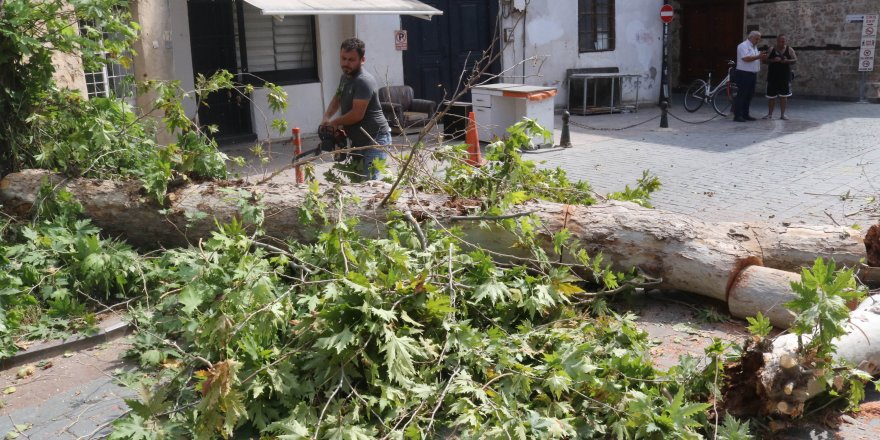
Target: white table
614,103
499,106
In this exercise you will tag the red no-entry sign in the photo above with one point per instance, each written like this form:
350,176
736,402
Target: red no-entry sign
666,13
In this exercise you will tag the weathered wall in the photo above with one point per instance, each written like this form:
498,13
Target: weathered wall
827,46
550,31
69,67
154,51
161,59
69,72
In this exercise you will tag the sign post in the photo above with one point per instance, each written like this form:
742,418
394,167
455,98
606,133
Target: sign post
866,51
666,15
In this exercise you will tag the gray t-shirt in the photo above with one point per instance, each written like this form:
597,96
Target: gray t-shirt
362,86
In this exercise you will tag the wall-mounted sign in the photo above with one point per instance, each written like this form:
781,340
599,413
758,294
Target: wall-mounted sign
400,40
869,41
856,18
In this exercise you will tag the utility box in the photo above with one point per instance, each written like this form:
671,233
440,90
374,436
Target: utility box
499,106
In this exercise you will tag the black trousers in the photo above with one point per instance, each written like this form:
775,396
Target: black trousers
745,82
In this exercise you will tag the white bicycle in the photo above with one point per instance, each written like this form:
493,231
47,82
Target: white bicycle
721,95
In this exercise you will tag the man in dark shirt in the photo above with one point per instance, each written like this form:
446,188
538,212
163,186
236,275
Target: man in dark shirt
779,62
357,101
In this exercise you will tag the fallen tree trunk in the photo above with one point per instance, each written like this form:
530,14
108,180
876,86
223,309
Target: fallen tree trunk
787,381
687,254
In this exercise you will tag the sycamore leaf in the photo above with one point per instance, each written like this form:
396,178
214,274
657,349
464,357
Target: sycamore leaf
493,290
568,288
338,341
399,353
558,383
190,299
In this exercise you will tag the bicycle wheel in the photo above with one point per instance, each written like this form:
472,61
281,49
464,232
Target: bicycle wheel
724,98
695,96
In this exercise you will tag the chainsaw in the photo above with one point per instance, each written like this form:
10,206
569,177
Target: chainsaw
332,139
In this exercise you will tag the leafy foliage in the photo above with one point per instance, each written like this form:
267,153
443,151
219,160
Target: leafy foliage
59,263
506,179
101,137
759,325
29,35
366,338
821,305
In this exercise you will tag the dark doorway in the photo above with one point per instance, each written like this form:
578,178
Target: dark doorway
212,36
441,49
710,32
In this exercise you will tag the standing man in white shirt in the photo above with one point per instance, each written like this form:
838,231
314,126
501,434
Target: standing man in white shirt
748,64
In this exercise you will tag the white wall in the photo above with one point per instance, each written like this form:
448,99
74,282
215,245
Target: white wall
304,109
332,31
182,52
552,34
383,60
306,102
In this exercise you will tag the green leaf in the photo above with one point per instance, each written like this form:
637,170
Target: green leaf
493,290
759,325
558,383
399,353
190,299
152,357
338,341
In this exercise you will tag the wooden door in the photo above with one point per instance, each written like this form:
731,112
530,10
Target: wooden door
710,32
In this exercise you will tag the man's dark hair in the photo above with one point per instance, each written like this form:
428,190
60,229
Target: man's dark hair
354,44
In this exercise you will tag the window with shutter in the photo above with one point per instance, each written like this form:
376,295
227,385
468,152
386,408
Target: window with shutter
276,49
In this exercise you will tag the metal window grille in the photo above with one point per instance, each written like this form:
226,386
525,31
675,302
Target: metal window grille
595,25
112,79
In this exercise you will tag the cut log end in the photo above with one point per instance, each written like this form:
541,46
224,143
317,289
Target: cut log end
872,246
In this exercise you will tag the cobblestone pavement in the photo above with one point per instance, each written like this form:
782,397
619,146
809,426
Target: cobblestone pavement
821,166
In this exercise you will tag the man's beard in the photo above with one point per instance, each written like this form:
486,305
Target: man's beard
352,72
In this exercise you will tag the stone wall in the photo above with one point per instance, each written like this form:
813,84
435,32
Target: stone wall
827,47
69,67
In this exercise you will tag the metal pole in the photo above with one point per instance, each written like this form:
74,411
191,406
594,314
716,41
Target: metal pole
862,83
297,150
664,111
565,139
664,71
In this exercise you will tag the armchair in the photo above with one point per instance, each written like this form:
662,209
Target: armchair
402,111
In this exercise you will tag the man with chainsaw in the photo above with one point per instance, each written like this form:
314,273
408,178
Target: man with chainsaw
357,101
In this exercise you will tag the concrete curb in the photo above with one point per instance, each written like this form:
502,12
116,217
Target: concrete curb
57,347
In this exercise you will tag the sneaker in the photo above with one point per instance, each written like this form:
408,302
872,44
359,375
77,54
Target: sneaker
739,119
767,117
749,118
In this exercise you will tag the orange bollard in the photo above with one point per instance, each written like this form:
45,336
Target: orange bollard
473,140
297,150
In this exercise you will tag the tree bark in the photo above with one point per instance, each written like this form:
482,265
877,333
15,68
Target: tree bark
686,253
786,383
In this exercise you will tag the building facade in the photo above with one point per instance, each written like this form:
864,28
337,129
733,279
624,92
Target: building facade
826,35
